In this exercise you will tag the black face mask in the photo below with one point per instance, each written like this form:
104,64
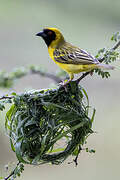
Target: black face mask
47,35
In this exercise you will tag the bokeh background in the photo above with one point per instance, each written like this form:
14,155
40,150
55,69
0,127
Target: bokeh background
88,24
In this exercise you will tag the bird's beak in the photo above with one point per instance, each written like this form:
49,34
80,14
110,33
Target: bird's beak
40,34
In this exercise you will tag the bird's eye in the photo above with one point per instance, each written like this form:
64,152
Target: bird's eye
49,33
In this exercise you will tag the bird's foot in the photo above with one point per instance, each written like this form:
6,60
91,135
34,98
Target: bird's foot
91,73
64,84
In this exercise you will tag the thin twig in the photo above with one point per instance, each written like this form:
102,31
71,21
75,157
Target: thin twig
81,77
6,97
48,75
100,60
6,178
116,46
76,159
12,173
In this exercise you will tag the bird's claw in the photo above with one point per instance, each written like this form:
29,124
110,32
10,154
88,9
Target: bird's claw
91,73
64,84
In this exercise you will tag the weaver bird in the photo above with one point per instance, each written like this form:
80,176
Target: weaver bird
70,58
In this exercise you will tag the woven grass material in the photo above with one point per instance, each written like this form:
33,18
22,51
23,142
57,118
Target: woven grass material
47,126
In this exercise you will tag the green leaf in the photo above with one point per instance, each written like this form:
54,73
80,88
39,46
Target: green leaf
91,151
93,115
1,178
76,151
2,107
68,131
19,153
56,150
13,93
8,117
115,37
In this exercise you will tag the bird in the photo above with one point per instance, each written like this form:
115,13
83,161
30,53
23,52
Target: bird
70,58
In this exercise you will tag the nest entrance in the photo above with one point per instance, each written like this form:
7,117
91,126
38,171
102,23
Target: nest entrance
40,121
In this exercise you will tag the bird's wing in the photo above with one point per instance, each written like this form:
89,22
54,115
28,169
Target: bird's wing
73,55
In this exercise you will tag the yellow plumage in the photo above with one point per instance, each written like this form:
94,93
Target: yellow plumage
70,58
71,69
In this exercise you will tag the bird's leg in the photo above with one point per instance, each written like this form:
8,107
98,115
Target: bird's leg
91,73
64,83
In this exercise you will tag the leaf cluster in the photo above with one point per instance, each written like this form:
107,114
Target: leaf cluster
4,101
107,56
7,79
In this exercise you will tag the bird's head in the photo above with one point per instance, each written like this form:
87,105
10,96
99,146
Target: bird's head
52,37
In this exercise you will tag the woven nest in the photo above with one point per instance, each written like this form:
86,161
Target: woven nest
47,126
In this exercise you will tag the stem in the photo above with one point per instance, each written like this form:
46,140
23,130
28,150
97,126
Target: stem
76,159
116,46
12,173
81,77
48,75
6,178
6,97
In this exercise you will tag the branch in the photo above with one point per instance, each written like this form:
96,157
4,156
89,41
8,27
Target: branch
116,46
7,79
81,77
12,173
100,60
46,74
6,97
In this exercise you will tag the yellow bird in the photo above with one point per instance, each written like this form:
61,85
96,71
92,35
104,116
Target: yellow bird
70,58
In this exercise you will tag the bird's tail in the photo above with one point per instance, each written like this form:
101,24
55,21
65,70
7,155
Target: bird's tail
105,66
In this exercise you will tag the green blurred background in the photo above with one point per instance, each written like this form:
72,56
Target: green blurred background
89,25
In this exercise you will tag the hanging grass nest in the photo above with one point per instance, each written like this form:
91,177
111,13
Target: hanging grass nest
47,126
